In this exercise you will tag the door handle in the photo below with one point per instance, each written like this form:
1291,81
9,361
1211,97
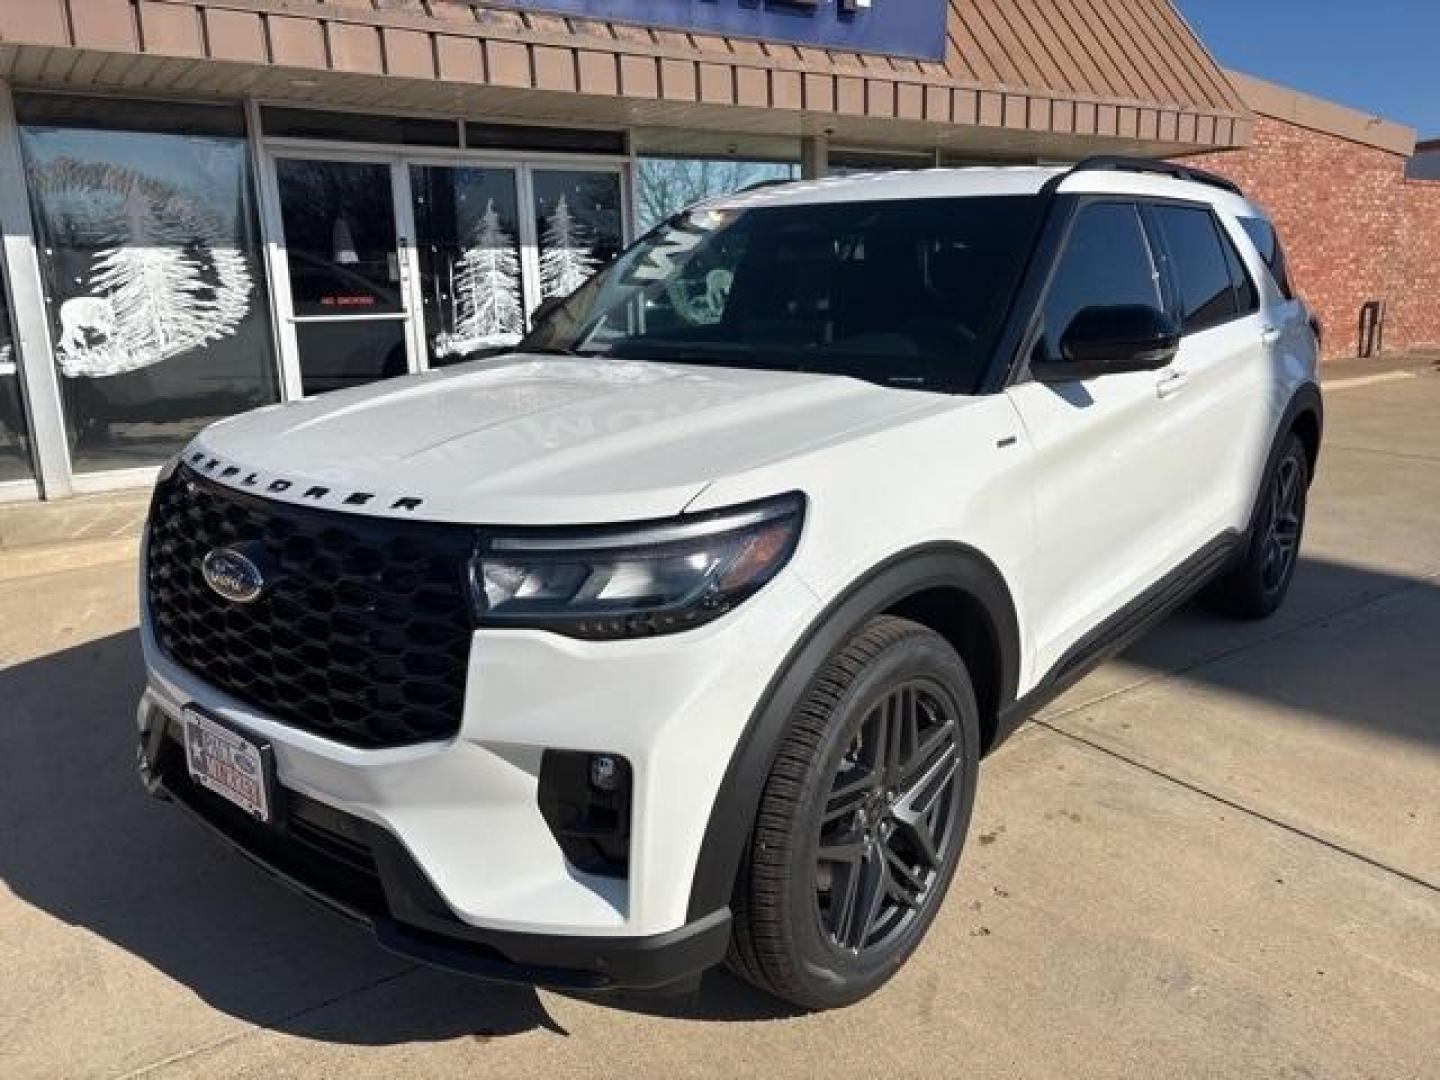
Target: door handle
1171,383
1270,335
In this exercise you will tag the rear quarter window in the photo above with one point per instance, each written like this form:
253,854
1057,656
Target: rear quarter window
1267,242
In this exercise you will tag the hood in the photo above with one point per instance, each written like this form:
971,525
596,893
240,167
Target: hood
541,440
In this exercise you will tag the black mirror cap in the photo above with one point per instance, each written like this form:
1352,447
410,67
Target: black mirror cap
1111,340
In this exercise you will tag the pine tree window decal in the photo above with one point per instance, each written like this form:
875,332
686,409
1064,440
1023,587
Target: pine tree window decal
567,253
486,289
168,276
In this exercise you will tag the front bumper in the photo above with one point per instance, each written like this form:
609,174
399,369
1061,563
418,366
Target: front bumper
469,873
361,871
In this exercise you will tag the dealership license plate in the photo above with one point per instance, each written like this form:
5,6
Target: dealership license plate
225,762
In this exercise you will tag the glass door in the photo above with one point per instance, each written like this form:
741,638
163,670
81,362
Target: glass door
468,250
346,259
388,263
579,224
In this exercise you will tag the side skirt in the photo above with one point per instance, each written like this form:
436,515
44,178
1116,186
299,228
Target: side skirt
1124,628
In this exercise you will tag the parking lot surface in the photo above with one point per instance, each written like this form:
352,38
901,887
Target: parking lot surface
1218,856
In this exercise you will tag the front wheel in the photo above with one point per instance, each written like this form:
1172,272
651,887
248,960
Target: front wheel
1256,586
861,821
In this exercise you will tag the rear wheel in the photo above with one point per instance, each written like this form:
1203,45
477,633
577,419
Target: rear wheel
862,819
1257,585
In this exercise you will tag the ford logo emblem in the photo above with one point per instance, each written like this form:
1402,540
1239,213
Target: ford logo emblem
233,576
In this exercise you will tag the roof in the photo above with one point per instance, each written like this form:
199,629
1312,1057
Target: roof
1318,114
918,184
974,182
1130,71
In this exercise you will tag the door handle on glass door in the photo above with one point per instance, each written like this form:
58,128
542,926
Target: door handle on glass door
1171,383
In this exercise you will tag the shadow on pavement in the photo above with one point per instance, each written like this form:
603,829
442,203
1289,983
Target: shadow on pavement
1360,649
80,841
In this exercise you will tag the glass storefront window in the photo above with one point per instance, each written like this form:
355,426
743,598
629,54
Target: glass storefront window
14,432
579,224
665,186
150,252
467,236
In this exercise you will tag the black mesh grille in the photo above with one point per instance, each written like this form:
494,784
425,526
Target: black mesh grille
363,631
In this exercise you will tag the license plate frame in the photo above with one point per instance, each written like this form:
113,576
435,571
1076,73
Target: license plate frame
230,763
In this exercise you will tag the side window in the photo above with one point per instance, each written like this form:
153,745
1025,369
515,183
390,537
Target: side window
1199,275
1247,296
1267,241
1106,262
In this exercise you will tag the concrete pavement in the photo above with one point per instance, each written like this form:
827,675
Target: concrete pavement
1219,856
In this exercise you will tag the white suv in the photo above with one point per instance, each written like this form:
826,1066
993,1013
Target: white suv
678,634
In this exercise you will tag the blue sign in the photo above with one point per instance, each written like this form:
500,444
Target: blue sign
913,28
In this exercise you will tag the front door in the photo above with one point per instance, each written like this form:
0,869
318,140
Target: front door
1105,479
343,275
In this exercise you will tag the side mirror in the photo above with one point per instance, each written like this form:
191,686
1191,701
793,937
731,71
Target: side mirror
1112,340
545,309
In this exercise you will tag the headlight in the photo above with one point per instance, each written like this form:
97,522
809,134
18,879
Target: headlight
636,580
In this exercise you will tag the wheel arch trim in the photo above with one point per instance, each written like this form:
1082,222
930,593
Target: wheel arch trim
1306,402
909,573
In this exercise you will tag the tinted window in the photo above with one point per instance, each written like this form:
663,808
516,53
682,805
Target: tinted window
1106,263
1247,296
1267,242
907,293
1198,272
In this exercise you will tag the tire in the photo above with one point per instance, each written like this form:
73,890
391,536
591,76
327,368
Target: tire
839,820
1257,585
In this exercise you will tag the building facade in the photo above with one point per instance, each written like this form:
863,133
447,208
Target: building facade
1360,221
212,206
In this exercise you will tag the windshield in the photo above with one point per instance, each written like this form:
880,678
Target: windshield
903,293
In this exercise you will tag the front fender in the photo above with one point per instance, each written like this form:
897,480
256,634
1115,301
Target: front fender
931,566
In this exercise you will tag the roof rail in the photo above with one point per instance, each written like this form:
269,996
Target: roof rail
1115,163
760,185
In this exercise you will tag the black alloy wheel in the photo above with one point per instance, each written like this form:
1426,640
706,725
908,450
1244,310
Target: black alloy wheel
862,818
887,830
1258,583
1285,513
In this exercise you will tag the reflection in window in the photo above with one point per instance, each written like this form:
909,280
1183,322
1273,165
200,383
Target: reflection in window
578,221
1106,264
467,226
14,433
150,255
1206,292
339,221
665,186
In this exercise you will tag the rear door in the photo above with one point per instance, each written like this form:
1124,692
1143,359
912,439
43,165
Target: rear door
1102,472
1217,389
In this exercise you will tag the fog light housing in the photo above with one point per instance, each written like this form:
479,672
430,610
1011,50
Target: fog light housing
585,799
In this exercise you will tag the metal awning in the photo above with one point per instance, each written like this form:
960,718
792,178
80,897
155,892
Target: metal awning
1048,78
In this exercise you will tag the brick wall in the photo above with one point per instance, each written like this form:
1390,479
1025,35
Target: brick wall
1355,229
1414,317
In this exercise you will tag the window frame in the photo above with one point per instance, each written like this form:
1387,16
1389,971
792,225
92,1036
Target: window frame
1050,252
1170,284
